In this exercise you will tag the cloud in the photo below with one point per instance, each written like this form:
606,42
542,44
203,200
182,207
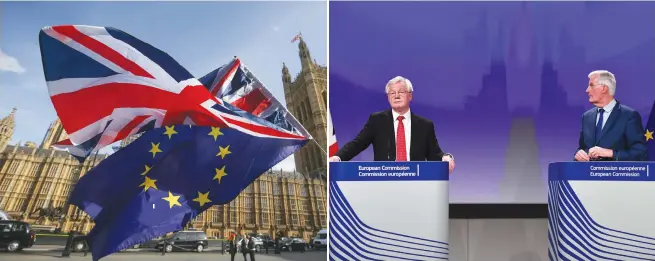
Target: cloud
10,64
288,164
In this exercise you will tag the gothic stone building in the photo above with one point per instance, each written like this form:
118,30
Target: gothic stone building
306,98
32,178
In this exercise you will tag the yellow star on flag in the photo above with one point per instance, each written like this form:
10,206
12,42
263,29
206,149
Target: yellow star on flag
149,183
146,171
172,200
223,151
220,173
649,135
216,131
155,149
170,131
202,198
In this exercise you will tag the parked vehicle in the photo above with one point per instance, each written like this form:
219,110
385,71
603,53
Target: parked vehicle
266,240
259,244
185,240
295,244
4,216
152,243
320,241
16,235
79,242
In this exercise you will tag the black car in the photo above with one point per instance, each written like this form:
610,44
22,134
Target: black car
79,242
185,241
16,235
294,244
152,243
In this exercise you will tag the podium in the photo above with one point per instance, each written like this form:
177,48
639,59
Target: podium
388,210
601,211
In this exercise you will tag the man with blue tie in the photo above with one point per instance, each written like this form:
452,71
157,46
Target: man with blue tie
610,131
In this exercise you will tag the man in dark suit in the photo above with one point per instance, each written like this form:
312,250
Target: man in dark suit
397,134
248,248
610,131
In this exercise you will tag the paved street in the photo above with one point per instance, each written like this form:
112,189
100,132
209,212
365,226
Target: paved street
49,247
35,255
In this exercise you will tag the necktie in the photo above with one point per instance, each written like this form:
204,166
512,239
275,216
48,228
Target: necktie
599,125
401,149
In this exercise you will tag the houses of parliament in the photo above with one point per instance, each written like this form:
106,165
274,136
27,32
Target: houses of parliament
35,177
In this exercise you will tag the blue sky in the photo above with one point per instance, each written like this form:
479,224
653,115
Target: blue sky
199,35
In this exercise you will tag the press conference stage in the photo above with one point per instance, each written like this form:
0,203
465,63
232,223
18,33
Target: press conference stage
595,211
423,225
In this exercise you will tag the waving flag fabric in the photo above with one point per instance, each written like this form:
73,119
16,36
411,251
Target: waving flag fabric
106,85
296,38
168,176
92,200
332,139
235,84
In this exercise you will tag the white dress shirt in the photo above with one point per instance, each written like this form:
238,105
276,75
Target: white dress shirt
608,109
407,122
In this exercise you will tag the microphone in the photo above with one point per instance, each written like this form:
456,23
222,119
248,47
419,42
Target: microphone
389,150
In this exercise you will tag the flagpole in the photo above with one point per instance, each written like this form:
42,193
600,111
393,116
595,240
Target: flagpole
267,92
319,146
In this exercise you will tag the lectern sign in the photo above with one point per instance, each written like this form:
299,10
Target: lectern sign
601,211
391,171
388,211
608,171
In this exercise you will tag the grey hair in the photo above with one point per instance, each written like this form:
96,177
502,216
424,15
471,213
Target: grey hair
398,79
605,78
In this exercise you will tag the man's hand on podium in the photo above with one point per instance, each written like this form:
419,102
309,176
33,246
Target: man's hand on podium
598,152
335,159
451,162
581,155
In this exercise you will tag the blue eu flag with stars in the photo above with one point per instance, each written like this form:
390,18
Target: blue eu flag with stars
650,129
166,177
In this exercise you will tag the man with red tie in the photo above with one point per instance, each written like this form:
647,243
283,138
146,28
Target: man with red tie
397,134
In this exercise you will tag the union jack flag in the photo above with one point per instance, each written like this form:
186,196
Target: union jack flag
332,138
106,85
296,38
234,84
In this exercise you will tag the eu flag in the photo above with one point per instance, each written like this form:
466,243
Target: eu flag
169,175
650,129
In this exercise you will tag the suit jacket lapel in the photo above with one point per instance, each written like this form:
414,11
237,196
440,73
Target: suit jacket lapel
391,135
614,116
414,139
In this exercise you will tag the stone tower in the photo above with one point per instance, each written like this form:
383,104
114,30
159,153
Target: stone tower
55,134
129,139
306,98
6,130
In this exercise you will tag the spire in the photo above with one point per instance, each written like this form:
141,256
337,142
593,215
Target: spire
285,70
286,77
9,119
303,51
7,129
